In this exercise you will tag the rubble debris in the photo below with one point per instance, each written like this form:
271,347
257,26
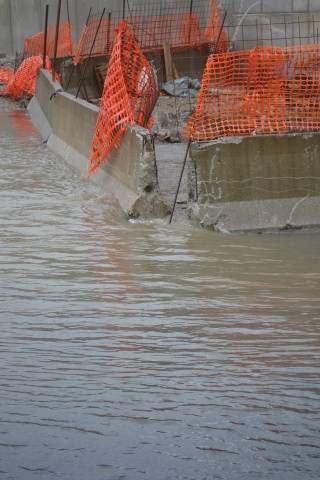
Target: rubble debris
182,87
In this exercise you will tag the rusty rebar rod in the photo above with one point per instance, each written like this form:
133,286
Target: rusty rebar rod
180,179
45,40
90,53
108,32
73,65
56,41
190,14
190,141
89,15
68,12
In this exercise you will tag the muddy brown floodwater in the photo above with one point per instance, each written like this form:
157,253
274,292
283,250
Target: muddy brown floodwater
142,351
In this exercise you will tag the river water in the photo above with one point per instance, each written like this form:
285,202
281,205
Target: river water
142,351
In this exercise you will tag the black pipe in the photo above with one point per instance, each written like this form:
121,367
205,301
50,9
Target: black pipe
45,40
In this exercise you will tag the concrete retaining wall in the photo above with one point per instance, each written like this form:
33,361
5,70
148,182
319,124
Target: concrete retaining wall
256,183
68,124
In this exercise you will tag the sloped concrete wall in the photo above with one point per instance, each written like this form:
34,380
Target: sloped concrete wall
67,125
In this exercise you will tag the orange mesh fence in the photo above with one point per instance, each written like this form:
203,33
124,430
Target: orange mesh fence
179,30
267,90
6,73
129,95
34,45
24,80
177,26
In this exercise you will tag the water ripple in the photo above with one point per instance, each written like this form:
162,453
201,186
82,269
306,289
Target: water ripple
139,351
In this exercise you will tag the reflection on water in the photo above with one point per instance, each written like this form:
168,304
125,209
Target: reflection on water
142,351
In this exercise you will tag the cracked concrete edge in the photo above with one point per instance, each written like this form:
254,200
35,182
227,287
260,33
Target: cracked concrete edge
259,215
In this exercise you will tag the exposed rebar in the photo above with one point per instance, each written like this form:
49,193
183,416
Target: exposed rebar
90,53
45,40
56,40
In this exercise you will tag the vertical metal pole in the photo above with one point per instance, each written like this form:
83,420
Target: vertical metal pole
191,7
123,9
108,32
271,35
313,31
299,30
285,31
190,141
56,40
190,13
221,30
242,35
73,66
45,37
68,12
180,179
91,50
89,16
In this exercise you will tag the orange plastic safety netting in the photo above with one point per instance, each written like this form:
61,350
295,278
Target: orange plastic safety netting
261,91
34,45
6,73
129,96
24,80
179,29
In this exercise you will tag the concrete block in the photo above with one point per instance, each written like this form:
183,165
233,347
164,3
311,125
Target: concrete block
258,182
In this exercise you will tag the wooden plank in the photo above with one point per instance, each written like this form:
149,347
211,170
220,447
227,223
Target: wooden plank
170,68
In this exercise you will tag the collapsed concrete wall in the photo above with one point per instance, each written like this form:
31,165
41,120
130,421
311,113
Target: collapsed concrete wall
256,182
68,124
